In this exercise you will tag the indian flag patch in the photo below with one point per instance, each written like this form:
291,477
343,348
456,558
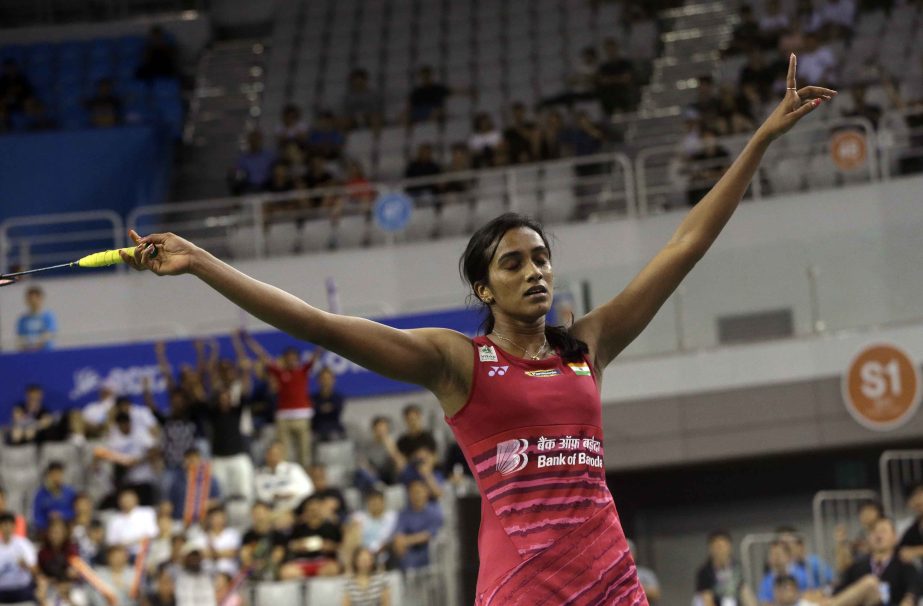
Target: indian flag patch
580,368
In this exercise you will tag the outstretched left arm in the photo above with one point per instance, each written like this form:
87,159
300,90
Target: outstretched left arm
610,328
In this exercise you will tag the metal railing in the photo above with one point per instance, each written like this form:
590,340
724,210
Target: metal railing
753,548
900,140
833,508
898,471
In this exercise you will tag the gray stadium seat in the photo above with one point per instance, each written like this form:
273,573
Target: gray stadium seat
289,593
395,497
340,452
325,591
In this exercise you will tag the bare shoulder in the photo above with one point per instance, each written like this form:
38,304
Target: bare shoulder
456,351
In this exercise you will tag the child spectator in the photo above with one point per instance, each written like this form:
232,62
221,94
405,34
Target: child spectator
36,329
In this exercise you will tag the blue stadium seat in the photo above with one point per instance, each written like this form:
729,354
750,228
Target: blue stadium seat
171,113
166,89
39,55
99,69
14,52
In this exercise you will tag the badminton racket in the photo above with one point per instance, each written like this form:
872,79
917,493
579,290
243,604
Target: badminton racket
100,259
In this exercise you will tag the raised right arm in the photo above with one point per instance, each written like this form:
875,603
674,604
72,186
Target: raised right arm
419,356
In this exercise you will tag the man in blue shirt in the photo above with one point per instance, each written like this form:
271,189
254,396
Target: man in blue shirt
54,498
417,526
780,564
37,328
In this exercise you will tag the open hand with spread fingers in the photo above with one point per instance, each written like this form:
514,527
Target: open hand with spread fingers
798,103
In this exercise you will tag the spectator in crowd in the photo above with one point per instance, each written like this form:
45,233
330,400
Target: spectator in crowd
160,59
325,138
427,99
615,80
848,550
417,526
548,145
318,177
649,581
161,546
459,161
131,524
293,404
292,128
735,116
18,562
372,527
132,449
862,108
361,105
54,499
706,105
756,72
582,138
163,593
32,422
231,463
819,574
280,179
780,563
194,585
746,35
421,466
56,551
98,416
313,544
253,167
222,543
327,424
833,18
379,457
720,580
520,135
415,434
910,547
36,329
226,594
15,87
80,525
898,582
192,474
331,497
180,429
483,141
262,547
421,166
706,166
281,483
816,62
104,107
785,592
773,23
117,575
19,522
365,586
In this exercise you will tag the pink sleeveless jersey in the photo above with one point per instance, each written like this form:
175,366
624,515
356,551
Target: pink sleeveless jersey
532,434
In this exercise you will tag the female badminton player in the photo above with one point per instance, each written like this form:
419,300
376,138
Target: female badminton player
523,400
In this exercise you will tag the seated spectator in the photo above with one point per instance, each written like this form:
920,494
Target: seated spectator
99,416
484,141
417,526
817,63
281,483
819,574
847,551
520,135
163,592
706,105
160,56
549,146
292,128
19,522
910,547
331,497
746,35
862,108
131,449
780,563
319,176
131,524
720,579
35,116
421,466
262,547
313,544
15,87
735,115
253,167
582,138
225,592
785,592
36,329
459,161
118,576
161,546
615,81
358,186
194,585
365,586
706,166
422,165
54,499
328,408
17,561
91,544
361,105
56,551
83,517
898,582
415,435
104,107
378,456
427,99
372,527
773,23
191,508
648,579
755,71
325,138
32,422
222,543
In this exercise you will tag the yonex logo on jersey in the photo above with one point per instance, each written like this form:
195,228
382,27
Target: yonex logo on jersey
511,456
497,371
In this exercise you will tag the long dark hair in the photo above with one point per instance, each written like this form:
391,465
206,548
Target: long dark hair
474,267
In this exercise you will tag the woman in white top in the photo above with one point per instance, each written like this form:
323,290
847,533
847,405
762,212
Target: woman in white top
484,140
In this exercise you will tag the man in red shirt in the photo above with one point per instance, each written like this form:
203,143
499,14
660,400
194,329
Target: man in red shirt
294,409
